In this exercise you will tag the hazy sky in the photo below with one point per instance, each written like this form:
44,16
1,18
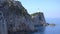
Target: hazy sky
50,8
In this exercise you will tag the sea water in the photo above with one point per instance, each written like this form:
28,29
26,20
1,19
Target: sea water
50,29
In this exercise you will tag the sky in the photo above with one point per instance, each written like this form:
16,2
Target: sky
50,8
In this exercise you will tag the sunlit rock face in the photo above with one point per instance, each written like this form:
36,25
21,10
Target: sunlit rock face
16,16
38,18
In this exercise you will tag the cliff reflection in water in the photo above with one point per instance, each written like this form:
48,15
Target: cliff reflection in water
40,29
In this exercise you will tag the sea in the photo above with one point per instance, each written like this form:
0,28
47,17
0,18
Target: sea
49,29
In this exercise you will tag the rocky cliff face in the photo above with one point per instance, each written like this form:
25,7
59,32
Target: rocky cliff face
16,16
38,18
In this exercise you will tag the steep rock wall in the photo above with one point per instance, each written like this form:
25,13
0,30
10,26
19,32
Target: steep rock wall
38,18
16,16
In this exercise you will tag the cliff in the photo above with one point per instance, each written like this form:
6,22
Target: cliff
38,18
16,18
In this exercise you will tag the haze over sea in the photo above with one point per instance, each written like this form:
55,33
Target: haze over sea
53,29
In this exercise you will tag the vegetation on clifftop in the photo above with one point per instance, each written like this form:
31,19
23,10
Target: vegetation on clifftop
35,13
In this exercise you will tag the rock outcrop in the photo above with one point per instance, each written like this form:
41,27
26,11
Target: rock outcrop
38,18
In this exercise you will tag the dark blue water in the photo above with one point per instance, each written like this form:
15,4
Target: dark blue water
50,29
